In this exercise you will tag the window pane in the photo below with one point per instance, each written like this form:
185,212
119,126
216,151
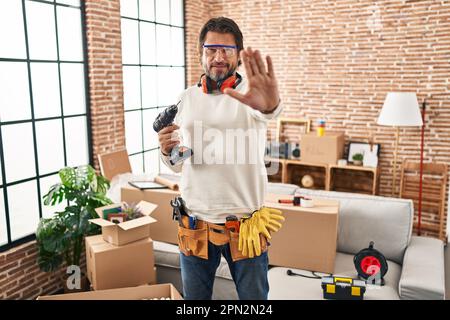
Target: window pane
163,54
147,42
133,131
163,168
163,11
130,42
76,141
41,30
150,136
176,12
151,160
24,215
136,163
45,82
69,34
1,174
147,10
177,47
129,8
14,91
11,30
73,90
166,93
18,151
50,148
177,80
3,230
46,183
131,88
70,2
148,76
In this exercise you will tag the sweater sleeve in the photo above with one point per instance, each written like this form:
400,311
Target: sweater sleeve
267,116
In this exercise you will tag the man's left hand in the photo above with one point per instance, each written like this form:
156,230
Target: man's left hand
262,93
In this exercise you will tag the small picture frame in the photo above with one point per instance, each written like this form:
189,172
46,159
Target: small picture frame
370,152
117,217
303,125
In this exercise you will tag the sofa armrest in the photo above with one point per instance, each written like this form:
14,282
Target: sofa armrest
422,274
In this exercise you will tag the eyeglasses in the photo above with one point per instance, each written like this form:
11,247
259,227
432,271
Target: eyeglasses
211,50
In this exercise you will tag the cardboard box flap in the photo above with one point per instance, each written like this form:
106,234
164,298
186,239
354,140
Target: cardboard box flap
101,222
114,163
131,224
144,292
146,207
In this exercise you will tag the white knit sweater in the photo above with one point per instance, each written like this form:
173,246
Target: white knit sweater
226,174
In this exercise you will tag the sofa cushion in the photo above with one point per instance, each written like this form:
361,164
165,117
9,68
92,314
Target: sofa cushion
364,218
284,287
281,188
168,255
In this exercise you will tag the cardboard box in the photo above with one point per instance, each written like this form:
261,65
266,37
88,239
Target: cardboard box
166,290
114,163
165,229
109,266
307,240
326,149
128,231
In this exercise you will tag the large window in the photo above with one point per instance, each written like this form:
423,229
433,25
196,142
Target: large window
43,108
153,57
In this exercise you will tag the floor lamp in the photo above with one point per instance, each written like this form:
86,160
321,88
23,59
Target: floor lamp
400,109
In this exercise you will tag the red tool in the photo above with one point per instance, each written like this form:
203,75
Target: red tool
232,224
295,201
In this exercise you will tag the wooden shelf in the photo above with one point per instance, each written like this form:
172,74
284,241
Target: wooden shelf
328,176
351,178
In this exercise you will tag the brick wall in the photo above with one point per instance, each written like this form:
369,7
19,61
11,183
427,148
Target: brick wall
334,60
196,14
105,76
337,60
20,277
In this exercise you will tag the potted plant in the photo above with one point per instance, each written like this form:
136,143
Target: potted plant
61,237
358,159
132,211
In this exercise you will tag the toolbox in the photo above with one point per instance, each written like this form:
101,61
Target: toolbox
342,288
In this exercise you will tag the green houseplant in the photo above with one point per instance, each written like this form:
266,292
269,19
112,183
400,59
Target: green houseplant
60,238
358,158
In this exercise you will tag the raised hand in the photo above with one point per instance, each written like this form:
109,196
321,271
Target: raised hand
262,93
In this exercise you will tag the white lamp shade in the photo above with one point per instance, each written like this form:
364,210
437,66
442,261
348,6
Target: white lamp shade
400,109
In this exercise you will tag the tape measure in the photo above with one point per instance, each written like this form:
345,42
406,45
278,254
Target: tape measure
371,265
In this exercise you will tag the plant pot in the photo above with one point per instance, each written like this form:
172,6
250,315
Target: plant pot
357,162
84,284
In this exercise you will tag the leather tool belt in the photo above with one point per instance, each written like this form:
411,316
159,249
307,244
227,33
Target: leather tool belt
195,241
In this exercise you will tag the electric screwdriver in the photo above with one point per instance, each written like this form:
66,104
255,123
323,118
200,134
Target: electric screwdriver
165,119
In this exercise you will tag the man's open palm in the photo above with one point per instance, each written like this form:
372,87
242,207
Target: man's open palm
262,93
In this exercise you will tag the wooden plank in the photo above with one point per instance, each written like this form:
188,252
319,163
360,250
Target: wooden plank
435,168
427,226
415,196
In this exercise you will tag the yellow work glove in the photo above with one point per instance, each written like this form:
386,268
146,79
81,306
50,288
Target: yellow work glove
261,221
271,218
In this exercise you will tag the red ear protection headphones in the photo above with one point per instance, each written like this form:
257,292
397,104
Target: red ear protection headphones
230,82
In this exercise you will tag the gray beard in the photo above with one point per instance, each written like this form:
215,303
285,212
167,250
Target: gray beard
220,77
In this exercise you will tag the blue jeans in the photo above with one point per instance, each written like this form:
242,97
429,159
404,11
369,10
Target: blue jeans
249,275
